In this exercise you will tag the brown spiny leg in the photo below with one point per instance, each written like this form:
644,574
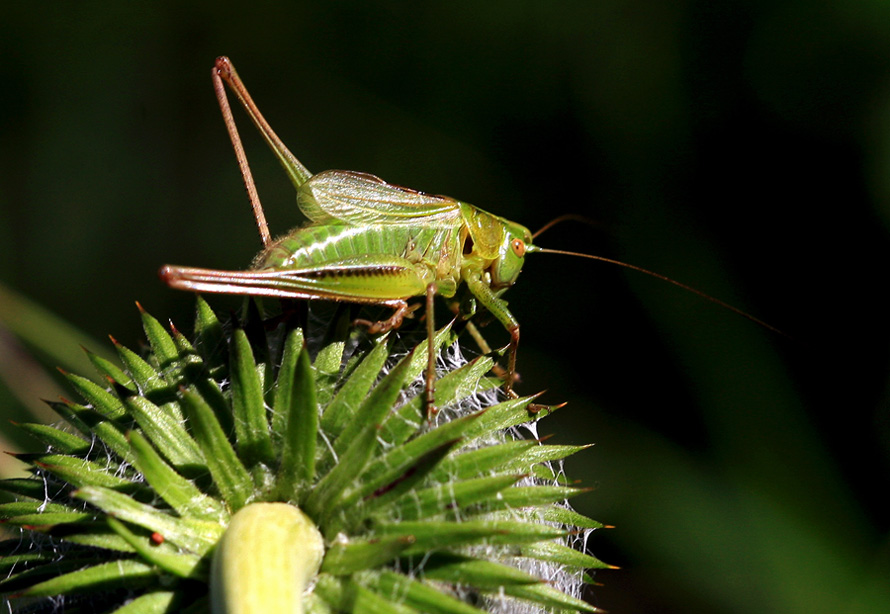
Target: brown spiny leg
483,346
482,343
402,310
511,364
223,70
430,384
510,379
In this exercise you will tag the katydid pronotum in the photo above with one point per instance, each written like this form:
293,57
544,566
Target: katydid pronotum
372,242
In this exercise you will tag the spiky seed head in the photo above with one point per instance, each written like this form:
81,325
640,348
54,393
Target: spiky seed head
134,504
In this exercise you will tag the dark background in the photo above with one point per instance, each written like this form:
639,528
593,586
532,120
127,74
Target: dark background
739,147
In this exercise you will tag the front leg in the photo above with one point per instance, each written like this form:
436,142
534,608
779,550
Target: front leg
483,346
498,308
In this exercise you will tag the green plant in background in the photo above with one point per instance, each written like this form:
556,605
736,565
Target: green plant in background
702,136
230,472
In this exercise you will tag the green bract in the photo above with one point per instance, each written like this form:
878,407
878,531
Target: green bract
452,514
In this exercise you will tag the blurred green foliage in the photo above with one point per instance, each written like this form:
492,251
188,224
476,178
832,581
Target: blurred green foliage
740,147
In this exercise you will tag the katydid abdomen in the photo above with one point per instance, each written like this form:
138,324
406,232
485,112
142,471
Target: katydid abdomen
372,264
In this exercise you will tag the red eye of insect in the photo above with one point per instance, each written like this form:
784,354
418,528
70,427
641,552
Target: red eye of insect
518,246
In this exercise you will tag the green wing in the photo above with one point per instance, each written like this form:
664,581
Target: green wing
361,199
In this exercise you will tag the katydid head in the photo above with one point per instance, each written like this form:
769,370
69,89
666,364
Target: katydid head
511,255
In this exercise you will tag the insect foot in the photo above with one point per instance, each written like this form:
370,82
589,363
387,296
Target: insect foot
393,322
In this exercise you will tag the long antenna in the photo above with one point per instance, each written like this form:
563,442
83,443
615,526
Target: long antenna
567,217
633,267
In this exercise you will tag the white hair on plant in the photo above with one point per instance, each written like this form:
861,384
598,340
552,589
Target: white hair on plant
569,581
394,495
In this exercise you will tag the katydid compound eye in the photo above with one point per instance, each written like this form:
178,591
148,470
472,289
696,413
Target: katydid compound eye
518,246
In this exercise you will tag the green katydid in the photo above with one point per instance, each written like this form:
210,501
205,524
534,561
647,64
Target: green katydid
372,242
